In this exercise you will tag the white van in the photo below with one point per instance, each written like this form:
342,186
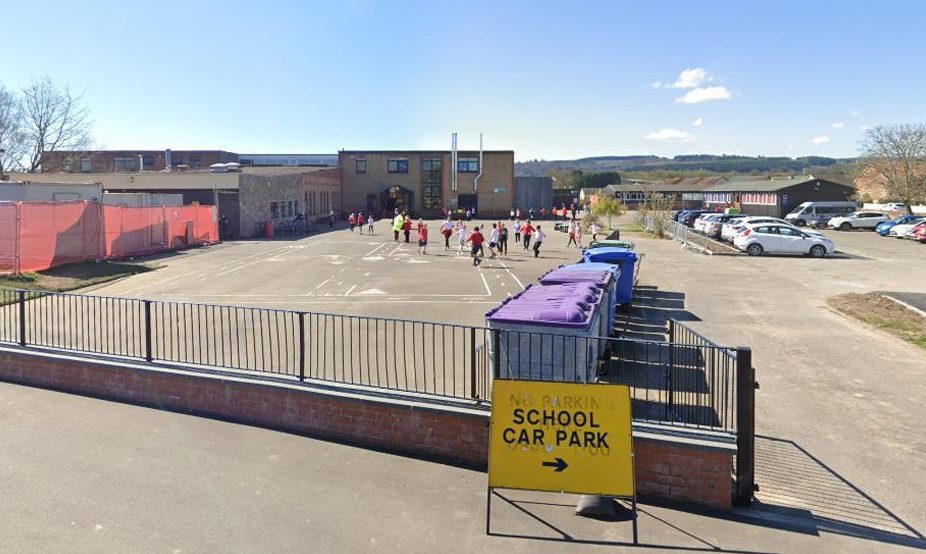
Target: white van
818,214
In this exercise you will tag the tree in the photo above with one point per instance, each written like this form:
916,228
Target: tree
53,119
12,138
607,207
567,180
899,153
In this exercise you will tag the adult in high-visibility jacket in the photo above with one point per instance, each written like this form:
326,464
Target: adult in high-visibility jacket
397,223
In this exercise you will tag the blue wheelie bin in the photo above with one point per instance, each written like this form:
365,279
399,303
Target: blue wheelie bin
624,258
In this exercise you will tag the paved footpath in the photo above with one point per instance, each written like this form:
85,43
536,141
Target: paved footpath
84,475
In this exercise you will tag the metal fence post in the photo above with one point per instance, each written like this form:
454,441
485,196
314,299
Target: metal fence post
148,353
745,427
22,317
671,370
302,346
472,363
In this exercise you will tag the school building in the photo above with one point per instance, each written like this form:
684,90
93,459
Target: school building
426,182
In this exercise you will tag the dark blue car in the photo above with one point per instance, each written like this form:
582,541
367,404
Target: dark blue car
884,228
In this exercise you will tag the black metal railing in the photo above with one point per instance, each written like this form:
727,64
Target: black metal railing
684,384
402,355
691,350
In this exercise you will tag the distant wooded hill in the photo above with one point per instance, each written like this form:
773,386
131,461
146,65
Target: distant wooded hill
693,162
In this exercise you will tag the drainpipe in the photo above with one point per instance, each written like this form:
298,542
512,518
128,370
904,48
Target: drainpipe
453,161
479,173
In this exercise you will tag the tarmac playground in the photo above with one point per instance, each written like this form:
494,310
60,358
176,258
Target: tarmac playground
344,273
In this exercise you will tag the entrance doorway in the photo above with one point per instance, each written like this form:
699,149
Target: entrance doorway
468,202
397,198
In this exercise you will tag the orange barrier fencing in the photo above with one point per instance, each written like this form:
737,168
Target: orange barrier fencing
40,235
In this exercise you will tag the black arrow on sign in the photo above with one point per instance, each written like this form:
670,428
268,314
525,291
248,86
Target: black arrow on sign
560,464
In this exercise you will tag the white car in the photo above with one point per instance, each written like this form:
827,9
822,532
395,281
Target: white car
905,229
782,239
858,220
894,207
731,230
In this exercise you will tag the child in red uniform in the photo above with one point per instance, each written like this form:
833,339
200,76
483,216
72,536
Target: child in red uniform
360,221
477,239
422,237
407,227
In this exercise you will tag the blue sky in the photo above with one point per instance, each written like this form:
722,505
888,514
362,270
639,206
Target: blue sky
546,79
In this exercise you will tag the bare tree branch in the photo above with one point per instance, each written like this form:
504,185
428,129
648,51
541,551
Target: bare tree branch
899,153
54,119
12,137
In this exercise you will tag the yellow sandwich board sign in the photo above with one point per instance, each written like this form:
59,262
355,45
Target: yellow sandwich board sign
561,437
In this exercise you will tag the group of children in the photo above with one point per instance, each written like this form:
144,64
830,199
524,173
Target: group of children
524,232
357,221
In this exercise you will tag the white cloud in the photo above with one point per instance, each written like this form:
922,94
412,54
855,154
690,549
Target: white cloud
691,78
855,113
704,94
698,122
656,84
817,141
671,134
838,125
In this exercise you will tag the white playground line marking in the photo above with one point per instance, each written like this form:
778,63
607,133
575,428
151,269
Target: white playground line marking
350,290
486,283
374,250
513,276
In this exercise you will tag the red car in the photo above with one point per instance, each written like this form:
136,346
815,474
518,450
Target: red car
919,232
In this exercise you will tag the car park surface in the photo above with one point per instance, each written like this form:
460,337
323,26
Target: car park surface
822,375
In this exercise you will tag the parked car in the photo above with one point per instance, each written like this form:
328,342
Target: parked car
818,214
894,207
735,227
689,216
884,229
782,239
919,233
904,229
713,224
858,220
702,220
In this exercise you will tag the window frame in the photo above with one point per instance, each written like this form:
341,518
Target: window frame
468,164
401,165
357,163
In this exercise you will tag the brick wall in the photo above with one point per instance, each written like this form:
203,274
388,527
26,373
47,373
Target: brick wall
447,431
681,473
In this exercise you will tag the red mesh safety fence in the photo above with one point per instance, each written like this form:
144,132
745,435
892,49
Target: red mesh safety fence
39,235
8,237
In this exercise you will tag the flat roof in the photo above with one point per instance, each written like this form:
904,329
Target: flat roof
423,151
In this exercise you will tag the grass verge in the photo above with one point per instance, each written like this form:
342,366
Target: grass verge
882,313
73,276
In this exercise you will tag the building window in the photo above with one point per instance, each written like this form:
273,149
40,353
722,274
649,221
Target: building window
86,166
468,165
432,198
360,165
196,162
431,171
124,163
176,160
398,165
430,164
274,210
148,160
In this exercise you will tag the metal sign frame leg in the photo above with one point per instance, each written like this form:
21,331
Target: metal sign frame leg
633,506
488,509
